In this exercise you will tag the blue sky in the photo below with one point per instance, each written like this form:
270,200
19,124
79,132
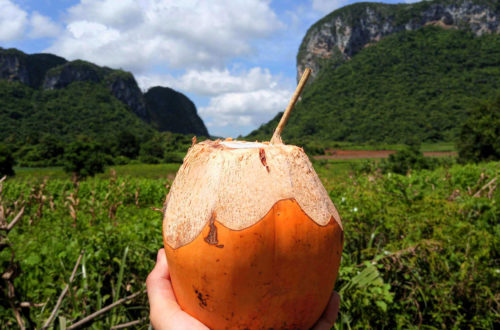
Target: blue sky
234,58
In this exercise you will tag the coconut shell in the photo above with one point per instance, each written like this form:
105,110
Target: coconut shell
239,182
251,236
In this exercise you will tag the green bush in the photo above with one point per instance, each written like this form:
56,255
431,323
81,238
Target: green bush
127,145
410,158
173,157
314,148
84,158
479,137
48,152
6,162
151,151
121,160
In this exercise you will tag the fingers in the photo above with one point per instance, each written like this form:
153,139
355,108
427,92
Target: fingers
330,314
158,282
165,312
160,293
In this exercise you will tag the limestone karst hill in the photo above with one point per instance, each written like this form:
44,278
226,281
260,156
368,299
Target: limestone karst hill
395,73
45,94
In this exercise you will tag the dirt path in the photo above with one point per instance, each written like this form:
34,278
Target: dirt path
352,154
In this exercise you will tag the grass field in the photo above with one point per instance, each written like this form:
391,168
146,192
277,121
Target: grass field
421,250
425,147
151,171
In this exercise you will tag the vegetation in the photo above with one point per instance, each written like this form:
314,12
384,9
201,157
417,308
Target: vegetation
6,161
422,237
181,116
26,114
166,147
413,86
37,125
47,103
84,158
399,15
127,145
479,137
410,158
420,250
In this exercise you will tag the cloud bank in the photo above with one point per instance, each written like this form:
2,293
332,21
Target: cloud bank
188,33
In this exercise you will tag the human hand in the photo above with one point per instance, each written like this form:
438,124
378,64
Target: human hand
165,312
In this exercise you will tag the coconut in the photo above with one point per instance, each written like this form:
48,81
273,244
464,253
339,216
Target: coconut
251,236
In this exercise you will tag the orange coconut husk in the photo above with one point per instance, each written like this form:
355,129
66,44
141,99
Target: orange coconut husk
251,236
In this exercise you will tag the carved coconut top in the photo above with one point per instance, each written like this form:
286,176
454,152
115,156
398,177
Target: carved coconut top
237,183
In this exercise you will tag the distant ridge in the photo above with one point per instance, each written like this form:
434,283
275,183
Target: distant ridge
38,89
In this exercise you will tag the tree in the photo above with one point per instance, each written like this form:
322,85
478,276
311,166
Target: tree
127,145
6,161
152,151
479,137
47,152
50,147
406,159
84,158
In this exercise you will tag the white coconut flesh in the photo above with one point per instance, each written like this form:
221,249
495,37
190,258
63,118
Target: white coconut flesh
237,183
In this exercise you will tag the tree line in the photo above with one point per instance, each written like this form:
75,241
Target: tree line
86,156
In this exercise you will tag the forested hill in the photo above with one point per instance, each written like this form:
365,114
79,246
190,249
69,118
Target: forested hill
412,86
340,35
44,94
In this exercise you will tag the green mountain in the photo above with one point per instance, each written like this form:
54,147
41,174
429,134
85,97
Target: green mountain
183,117
43,94
81,108
340,35
411,86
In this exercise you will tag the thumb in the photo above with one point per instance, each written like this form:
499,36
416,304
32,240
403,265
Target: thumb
160,293
165,312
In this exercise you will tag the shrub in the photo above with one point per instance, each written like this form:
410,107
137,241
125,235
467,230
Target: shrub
84,158
151,152
121,160
314,148
479,137
173,157
6,162
404,160
127,145
47,152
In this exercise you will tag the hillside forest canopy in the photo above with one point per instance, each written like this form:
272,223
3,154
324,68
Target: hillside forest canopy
411,87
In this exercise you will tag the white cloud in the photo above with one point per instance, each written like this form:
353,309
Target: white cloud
241,100
327,6
115,13
43,26
215,81
139,35
238,99
244,109
13,21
